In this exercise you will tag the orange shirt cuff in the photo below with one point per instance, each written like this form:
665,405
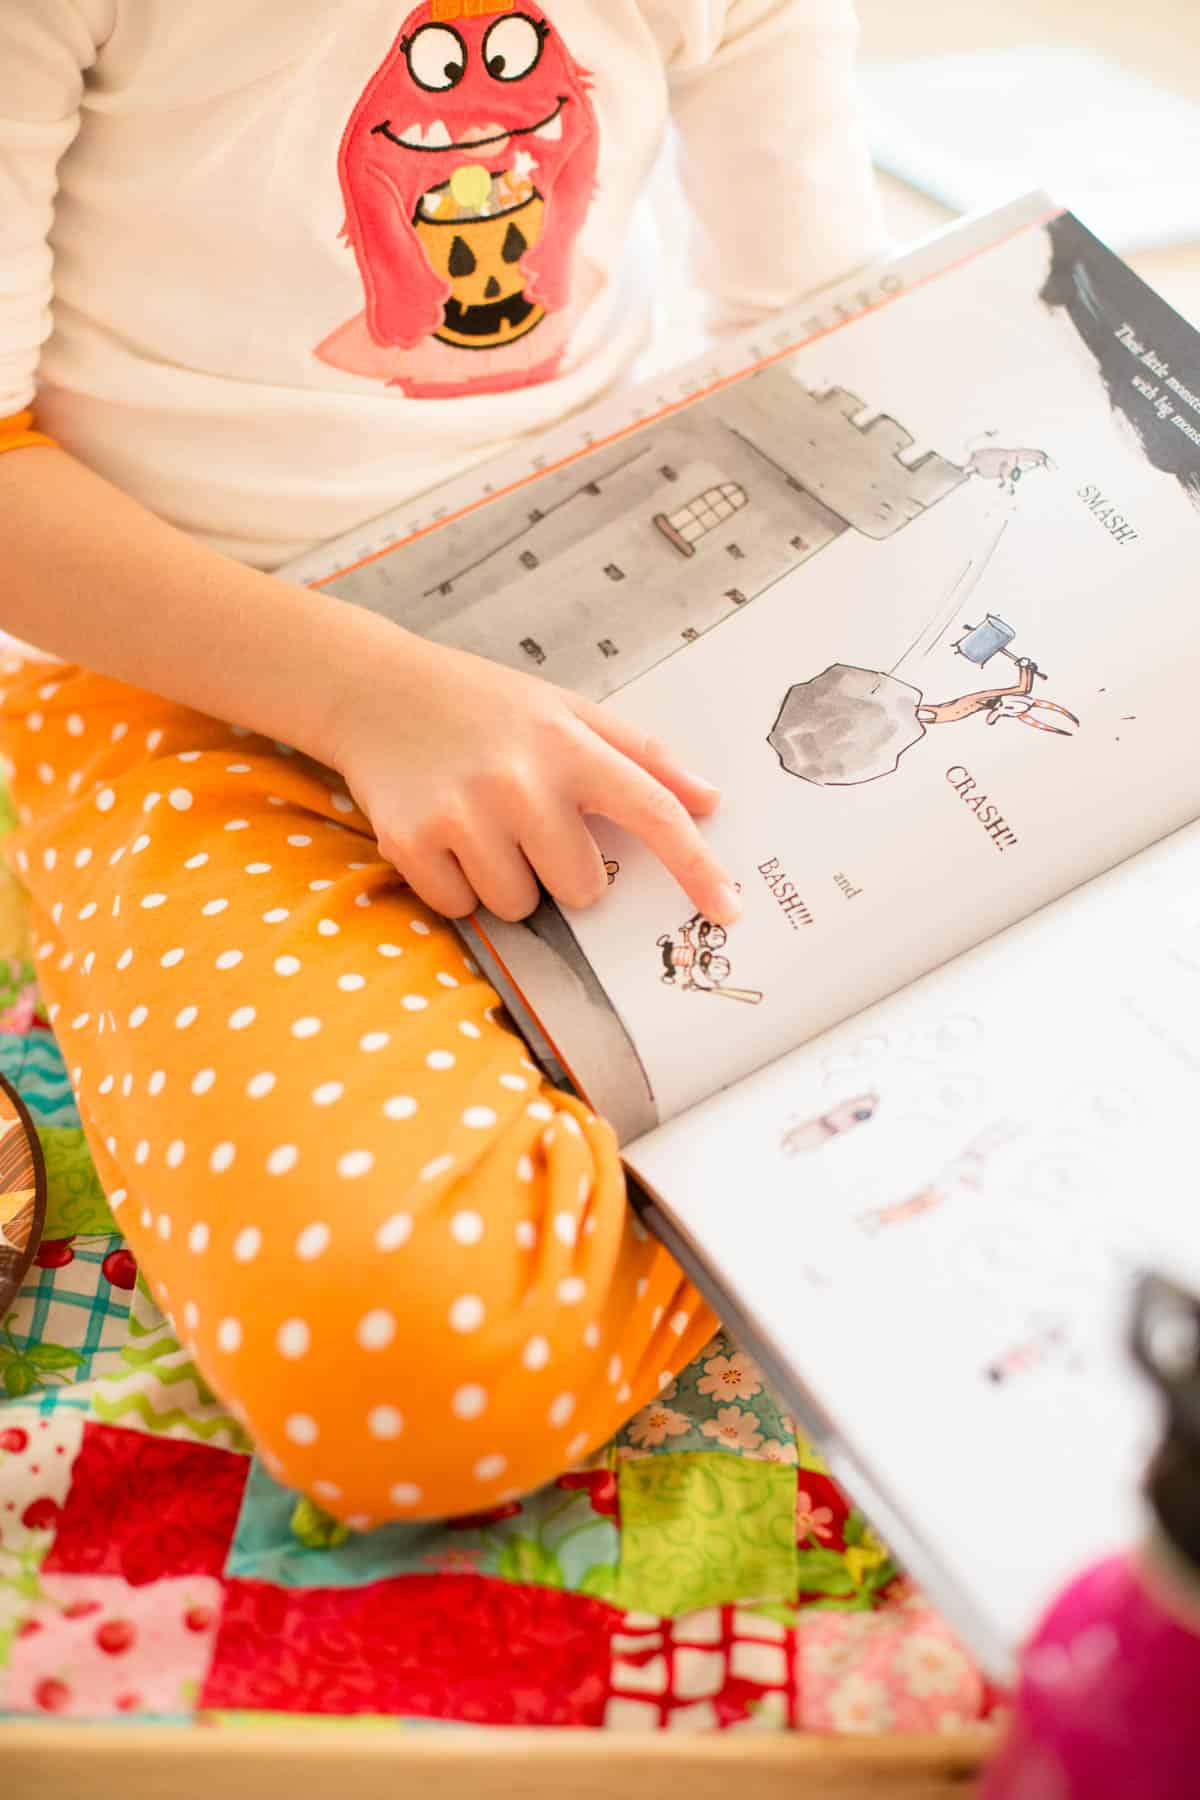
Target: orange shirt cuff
17,431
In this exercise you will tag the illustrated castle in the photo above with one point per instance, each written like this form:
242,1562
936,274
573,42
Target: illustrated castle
591,583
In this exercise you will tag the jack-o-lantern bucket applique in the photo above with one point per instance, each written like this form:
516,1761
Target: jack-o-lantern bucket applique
22,1192
475,229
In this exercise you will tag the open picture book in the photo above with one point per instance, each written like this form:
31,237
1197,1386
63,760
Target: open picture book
911,575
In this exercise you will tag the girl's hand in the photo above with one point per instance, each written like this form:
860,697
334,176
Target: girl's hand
477,780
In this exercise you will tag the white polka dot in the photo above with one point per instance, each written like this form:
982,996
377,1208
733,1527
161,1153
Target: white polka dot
395,1232
527,1235
447,981
164,1227
149,901
45,773
23,862
440,1059
106,1086
198,861
237,768
141,1152
327,1490
561,1410
466,1228
229,959
680,1323
490,1468
318,887
414,1003
361,899
153,740
469,1028
400,1106
328,928
138,1016
74,724
211,908
202,1081
419,926
390,950
276,916
342,803
355,1163
301,1428
467,1313
614,1371
306,1028
376,1330
88,962
384,1422
198,1238
259,1086
147,1217
350,984
479,1118
169,958
127,1085
469,1402
292,1339
300,841
282,1159
150,802
525,1168
221,1157
328,1093
258,868
191,1315
571,1290
566,1228
237,825
229,1336
517,1083
247,1244
187,1015
313,1241
536,1353
34,721
241,1018
539,1109
189,756
176,1151
438,1166
287,965
83,858
405,1493
374,1040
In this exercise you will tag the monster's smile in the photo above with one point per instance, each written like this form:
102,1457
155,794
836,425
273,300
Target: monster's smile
436,138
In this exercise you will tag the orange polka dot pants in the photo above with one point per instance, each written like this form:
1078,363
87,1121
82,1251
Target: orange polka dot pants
401,1257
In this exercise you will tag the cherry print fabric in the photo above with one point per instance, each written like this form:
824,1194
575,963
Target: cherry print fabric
402,1260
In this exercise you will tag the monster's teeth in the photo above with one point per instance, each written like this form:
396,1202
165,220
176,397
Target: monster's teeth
551,129
437,137
412,134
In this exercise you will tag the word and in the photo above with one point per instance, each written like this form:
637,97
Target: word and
786,893
1106,514
843,882
1162,402
985,810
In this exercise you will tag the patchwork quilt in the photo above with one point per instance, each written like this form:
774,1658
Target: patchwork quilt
702,1572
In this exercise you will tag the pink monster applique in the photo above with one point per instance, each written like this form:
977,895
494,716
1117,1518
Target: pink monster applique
467,169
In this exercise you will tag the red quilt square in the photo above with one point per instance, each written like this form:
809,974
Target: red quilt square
147,1508
426,1646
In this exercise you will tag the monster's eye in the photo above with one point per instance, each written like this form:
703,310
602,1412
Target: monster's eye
512,48
437,57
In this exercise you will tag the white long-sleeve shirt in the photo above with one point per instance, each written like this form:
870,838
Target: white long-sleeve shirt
274,266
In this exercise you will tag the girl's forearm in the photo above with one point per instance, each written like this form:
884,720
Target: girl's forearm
93,577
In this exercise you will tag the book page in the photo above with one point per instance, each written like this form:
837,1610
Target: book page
931,1218
931,577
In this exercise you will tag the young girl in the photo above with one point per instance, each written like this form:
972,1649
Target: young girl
268,270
